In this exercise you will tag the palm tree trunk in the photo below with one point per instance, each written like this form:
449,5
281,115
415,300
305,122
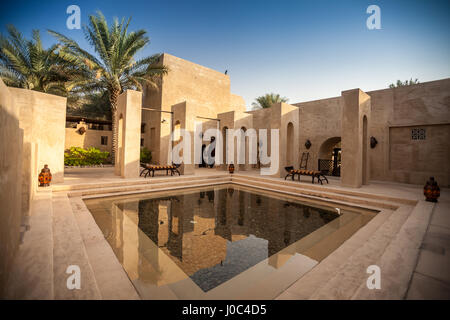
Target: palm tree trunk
113,100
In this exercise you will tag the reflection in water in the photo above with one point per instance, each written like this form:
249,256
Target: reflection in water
210,235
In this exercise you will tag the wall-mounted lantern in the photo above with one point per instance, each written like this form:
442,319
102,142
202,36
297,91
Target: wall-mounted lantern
373,142
82,130
308,144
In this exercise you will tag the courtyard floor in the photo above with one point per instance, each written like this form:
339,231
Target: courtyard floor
409,240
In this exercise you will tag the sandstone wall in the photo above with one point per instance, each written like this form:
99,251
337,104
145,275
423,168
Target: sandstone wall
11,140
43,118
320,120
394,114
91,138
207,91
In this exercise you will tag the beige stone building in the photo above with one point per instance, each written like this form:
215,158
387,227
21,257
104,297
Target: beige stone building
399,135
87,133
396,135
405,137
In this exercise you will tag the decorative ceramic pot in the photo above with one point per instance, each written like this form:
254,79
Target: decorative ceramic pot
231,168
45,177
431,190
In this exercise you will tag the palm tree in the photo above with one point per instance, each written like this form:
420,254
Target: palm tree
26,64
400,83
91,105
114,67
268,100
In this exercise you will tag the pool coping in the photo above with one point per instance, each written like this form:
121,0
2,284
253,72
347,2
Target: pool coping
75,196
283,267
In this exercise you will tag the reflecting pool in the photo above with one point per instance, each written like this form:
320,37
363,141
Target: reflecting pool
213,234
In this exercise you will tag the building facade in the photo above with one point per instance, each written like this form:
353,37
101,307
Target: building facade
403,132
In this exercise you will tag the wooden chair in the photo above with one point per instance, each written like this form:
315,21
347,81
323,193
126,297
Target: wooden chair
304,161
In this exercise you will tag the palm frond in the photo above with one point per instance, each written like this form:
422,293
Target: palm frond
268,100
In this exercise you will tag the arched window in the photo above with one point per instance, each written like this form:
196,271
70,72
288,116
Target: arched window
290,145
177,131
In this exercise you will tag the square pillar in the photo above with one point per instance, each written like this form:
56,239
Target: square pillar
184,120
285,117
355,138
128,124
244,121
226,123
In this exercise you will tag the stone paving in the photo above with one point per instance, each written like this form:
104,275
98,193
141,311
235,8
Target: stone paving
417,233
431,278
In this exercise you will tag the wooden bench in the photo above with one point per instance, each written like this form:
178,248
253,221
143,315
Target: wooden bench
302,172
148,169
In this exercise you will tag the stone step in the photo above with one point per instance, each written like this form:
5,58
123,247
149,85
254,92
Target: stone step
307,285
132,182
321,194
69,250
351,275
131,189
32,273
404,251
111,278
327,188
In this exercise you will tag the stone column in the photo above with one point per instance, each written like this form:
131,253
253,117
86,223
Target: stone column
282,115
355,138
242,120
129,109
182,112
226,122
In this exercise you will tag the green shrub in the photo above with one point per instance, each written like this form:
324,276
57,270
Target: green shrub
76,156
146,155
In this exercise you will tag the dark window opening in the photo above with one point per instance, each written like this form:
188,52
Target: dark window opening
418,134
104,141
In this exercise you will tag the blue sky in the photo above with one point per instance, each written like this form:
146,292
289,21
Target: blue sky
303,50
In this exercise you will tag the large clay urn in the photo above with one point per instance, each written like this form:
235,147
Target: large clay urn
45,177
431,190
231,168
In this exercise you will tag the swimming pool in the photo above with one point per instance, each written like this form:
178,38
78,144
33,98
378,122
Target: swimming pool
207,237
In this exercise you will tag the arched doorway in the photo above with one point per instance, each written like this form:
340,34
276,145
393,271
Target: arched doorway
177,131
290,145
365,178
118,163
203,163
329,161
212,144
208,154
177,139
244,148
225,146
